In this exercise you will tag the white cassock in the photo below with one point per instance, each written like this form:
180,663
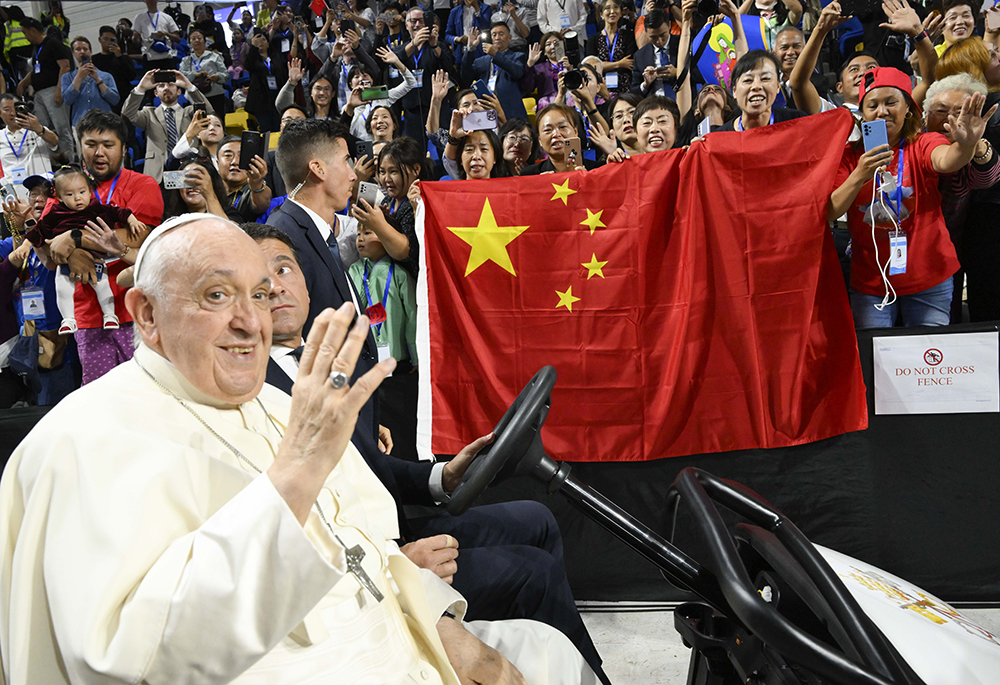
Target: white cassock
138,548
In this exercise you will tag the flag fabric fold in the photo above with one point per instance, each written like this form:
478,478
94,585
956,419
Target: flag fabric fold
691,301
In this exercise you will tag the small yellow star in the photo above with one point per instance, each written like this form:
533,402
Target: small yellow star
566,299
593,221
489,241
562,191
594,267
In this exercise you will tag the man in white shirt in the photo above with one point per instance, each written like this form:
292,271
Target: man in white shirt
156,31
214,530
27,145
563,16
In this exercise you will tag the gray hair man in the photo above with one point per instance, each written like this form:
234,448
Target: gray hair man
178,521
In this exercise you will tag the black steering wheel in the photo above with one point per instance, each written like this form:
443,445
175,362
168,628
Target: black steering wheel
517,431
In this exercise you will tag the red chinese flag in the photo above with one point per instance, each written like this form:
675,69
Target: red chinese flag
318,8
691,302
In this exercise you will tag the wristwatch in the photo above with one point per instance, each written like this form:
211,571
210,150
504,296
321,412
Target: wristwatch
262,189
29,224
77,235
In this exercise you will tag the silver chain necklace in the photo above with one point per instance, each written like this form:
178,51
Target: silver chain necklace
353,555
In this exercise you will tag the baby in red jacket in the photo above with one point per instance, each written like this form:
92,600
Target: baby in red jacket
78,204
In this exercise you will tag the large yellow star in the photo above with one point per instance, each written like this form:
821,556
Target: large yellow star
489,241
562,192
593,221
566,299
594,267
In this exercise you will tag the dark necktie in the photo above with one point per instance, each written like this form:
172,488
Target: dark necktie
297,353
168,116
339,272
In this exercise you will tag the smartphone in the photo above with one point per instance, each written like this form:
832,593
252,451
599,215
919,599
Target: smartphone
481,89
84,59
175,180
993,18
485,37
348,25
200,107
480,121
704,127
574,152
112,41
165,76
374,93
370,193
251,145
6,192
364,149
874,134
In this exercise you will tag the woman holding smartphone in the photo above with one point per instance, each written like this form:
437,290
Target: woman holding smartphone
902,257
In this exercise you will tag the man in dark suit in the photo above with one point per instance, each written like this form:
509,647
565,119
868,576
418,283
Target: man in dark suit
512,559
500,68
652,72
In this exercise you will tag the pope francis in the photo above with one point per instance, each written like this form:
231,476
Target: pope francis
177,521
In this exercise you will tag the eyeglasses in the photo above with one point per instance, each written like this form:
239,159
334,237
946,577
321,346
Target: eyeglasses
520,140
623,114
322,89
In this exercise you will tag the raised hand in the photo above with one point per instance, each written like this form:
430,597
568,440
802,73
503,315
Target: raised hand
534,54
439,85
295,72
968,126
902,18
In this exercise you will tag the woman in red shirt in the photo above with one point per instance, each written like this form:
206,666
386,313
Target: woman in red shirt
902,258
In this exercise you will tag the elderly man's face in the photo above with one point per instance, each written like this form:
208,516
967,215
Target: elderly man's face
214,320
289,294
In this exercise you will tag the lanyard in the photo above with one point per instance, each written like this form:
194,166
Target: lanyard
17,154
398,204
739,121
898,208
562,5
152,22
197,65
385,295
611,46
112,192
416,61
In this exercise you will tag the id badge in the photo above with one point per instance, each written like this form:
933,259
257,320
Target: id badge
611,79
564,22
493,81
897,256
38,67
383,353
286,45
33,303
393,72
375,314
419,75
18,174
272,82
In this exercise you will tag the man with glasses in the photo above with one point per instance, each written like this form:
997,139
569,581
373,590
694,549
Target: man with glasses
112,60
423,56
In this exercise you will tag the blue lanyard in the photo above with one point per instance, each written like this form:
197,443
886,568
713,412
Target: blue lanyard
37,53
416,62
267,63
17,155
113,184
398,204
385,295
154,23
739,121
899,183
197,65
611,46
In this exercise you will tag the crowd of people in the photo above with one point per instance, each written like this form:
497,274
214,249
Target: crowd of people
148,127
358,104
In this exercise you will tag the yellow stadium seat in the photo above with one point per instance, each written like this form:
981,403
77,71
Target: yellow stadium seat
529,107
239,121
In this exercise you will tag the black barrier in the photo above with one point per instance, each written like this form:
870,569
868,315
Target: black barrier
915,495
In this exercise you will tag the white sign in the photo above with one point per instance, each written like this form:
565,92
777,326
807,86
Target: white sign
951,373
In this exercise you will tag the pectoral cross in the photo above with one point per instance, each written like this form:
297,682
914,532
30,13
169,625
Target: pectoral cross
354,556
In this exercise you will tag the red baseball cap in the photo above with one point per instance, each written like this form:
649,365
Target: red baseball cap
887,76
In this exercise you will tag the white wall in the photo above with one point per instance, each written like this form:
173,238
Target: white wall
86,18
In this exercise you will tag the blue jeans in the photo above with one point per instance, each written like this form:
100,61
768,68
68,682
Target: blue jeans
931,307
